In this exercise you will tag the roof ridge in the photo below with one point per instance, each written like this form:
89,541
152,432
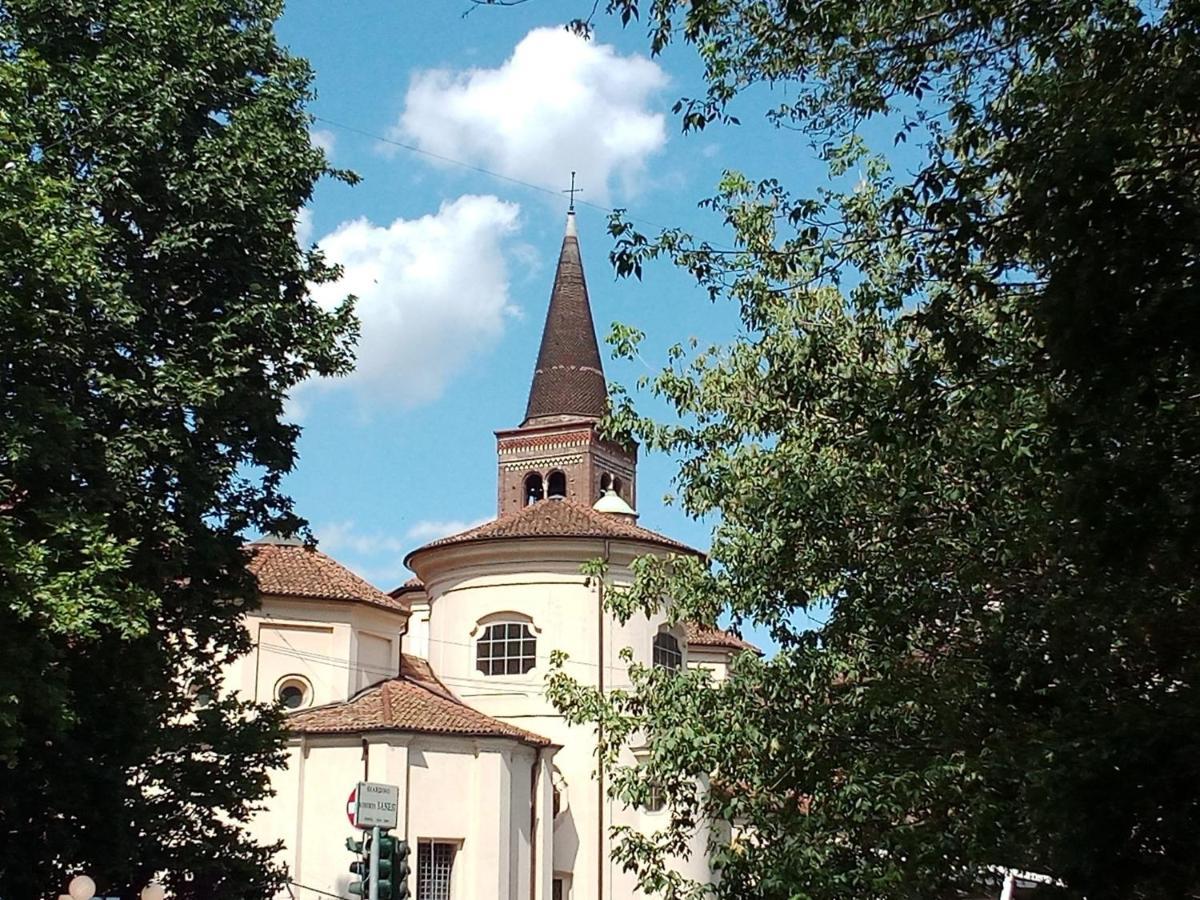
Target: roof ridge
391,712
450,695
296,570
703,635
557,518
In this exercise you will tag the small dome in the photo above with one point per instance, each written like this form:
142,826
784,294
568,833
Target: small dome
612,504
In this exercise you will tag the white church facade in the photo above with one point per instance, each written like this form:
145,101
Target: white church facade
438,687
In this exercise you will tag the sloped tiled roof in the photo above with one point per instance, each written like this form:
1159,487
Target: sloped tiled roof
706,636
412,585
293,570
404,593
559,519
414,701
569,378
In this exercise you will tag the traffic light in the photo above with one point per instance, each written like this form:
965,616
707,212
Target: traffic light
387,854
359,867
391,879
393,868
400,870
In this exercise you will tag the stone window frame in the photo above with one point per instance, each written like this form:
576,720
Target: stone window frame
295,680
656,804
507,618
660,653
426,859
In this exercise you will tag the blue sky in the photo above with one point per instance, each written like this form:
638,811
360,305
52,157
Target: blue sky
454,266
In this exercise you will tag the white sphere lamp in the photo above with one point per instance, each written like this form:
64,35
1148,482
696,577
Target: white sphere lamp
81,888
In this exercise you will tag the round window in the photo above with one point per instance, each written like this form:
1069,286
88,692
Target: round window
202,696
292,693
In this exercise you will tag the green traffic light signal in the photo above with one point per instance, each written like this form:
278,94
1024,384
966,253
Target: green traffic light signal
391,875
358,867
387,855
387,859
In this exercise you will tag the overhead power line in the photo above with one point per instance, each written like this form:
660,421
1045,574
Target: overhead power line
529,185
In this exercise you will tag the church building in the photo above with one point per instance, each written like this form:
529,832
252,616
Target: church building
438,687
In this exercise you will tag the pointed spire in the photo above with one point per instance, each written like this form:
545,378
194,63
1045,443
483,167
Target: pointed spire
569,379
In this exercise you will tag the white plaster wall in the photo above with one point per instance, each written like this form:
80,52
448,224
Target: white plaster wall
416,640
471,792
373,653
714,660
541,580
336,647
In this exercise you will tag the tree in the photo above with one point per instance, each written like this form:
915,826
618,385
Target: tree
154,313
963,421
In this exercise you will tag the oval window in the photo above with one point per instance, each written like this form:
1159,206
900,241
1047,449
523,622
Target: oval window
292,693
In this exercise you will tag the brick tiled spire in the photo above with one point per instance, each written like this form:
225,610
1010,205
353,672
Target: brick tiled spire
568,382
558,451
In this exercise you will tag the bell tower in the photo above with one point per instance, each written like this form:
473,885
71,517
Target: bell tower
557,451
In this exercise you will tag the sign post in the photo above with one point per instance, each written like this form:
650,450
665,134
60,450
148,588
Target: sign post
376,807
373,884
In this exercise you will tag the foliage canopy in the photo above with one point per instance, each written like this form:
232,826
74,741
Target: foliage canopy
154,311
963,418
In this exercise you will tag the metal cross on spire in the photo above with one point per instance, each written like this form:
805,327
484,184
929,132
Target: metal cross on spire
573,191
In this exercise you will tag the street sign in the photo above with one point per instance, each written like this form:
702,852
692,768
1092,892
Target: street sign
373,805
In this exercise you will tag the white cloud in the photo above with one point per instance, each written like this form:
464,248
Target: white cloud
559,103
304,227
428,530
379,556
325,139
344,537
433,293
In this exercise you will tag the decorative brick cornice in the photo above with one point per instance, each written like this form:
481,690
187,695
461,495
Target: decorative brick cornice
543,442
542,462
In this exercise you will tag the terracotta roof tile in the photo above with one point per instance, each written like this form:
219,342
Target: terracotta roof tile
405,593
293,570
706,636
413,585
414,701
559,519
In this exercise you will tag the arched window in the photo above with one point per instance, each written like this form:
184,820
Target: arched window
556,484
533,488
656,800
506,648
605,483
667,654
293,692
619,486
